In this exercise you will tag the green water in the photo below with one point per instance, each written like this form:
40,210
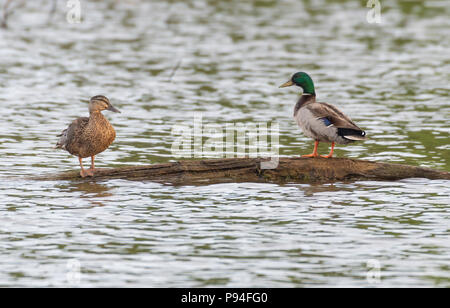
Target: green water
162,63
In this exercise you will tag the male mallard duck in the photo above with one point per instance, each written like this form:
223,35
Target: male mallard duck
321,121
87,137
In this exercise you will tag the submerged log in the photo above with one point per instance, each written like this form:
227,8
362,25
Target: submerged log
295,170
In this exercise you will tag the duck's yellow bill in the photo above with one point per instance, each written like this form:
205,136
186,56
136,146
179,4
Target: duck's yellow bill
287,84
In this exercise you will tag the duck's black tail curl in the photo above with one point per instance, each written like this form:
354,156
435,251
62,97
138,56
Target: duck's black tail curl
352,134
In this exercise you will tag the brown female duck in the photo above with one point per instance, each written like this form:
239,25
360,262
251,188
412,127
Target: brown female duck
87,137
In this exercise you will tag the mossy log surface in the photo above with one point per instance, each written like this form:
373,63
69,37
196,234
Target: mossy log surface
294,170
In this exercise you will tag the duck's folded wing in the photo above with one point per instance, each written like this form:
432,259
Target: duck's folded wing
331,116
68,135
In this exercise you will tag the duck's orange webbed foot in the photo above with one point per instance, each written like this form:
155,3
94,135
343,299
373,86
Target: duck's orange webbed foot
90,172
84,173
314,153
311,155
331,152
326,156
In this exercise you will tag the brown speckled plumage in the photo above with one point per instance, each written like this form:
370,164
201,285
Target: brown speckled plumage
87,137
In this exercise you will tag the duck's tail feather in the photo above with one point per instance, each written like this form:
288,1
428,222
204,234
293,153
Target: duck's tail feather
352,134
62,140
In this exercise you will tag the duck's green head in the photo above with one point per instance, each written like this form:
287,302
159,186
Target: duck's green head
302,80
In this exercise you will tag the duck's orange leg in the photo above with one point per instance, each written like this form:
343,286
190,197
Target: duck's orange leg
331,152
314,153
83,172
92,163
92,169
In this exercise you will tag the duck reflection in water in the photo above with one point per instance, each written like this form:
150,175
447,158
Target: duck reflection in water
94,192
